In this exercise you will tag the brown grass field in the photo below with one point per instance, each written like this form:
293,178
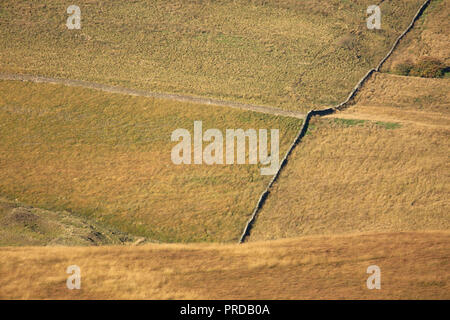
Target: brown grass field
380,165
429,37
107,157
354,176
23,225
366,186
289,54
406,95
414,265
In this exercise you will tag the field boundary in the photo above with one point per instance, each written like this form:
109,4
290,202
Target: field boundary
284,161
152,94
322,112
236,105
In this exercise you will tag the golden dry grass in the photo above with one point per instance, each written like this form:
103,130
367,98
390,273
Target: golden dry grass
429,37
22,225
406,94
413,266
380,164
292,54
357,176
412,100
107,157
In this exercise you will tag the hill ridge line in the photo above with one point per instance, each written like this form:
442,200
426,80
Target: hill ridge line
323,112
152,94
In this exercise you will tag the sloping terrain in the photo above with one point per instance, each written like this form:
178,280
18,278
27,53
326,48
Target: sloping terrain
357,176
22,225
412,100
108,157
428,38
413,266
379,165
422,101
290,54
406,94
366,186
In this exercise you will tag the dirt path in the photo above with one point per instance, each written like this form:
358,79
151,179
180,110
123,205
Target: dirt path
151,94
382,118
428,119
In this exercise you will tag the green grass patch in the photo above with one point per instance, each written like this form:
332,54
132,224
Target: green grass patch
357,122
388,125
349,122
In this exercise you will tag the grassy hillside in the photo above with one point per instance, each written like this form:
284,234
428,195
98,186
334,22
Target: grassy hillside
381,164
428,38
290,54
22,225
107,157
366,186
413,266
352,175
406,94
